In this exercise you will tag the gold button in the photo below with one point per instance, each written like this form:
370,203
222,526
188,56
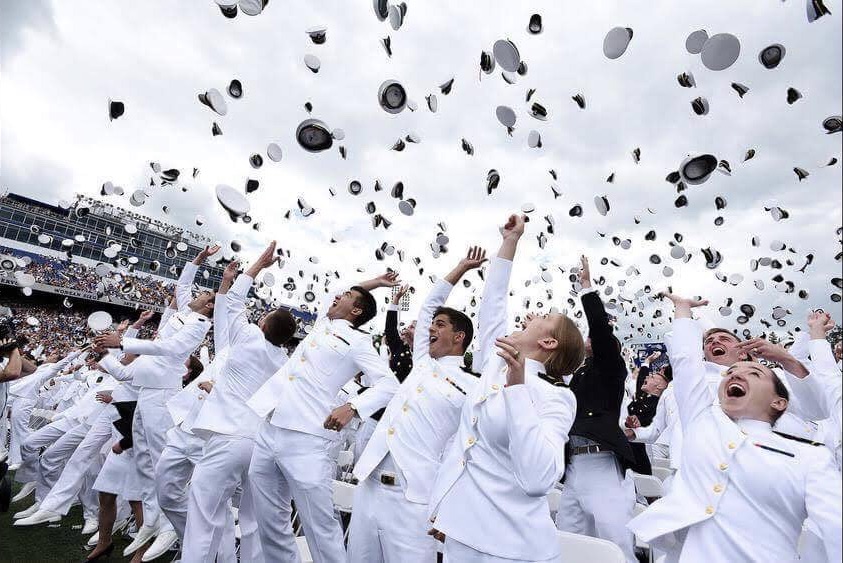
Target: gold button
724,466
201,397
391,431
495,387
291,377
718,488
419,389
470,440
405,408
483,398
732,445
303,360
709,510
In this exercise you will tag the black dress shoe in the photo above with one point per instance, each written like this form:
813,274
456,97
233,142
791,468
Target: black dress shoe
106,554
5,488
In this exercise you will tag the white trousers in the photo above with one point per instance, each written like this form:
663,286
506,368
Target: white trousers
223,468
173,473
597,501
387,528
288,465
149,436
19,426
456,552
30,450
54,458
86,458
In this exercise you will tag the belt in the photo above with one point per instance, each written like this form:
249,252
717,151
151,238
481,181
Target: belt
590,449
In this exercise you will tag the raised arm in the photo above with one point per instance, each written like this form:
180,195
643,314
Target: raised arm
491,319
604,345
221,307
692,392
474,258
391,337
184,294
12,370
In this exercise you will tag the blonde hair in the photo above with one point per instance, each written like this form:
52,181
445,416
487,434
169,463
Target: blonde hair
570,349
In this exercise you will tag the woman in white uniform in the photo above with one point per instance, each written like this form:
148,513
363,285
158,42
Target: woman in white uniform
489,497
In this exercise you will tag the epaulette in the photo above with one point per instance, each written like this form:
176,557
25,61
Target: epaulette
556,382
360,330
468,370
798,439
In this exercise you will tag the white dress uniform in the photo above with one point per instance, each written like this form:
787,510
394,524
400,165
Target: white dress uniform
230,427
291,457
489,498
86,459
743,491
24,393
665,429
158,374
183,449
398,466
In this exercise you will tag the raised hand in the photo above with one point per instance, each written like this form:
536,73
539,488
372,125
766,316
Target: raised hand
632,422
819,324
205,253
514,360
683,305
108,340
124,324
514,227
474,258
396,299
230,271
388,279
584,273
766,350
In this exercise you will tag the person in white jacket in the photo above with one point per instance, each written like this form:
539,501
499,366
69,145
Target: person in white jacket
398,466
743,491
489,498
229,426
291,457
158,373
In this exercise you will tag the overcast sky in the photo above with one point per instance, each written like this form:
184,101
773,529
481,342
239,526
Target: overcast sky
62,61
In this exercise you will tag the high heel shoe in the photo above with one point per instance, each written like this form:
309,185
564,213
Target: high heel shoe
106,554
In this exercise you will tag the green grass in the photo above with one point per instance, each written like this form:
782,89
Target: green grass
34,544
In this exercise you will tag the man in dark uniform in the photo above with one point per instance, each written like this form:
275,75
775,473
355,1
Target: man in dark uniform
597,500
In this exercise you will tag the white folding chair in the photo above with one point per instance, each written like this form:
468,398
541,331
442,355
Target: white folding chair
554,499
345,461
662,473
660,462
639,508
648,486
593,550
344,500
304,550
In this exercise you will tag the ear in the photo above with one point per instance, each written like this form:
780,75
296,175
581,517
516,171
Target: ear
779,404
548,343
357,311
459,336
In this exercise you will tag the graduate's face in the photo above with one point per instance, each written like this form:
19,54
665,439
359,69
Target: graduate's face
654,383
444,340
722,348
838,351
345,306
748,391
203,303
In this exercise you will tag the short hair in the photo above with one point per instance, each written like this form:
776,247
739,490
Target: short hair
667,373
781,391
279,326
460,322
365,302
570,351
194,368
715,330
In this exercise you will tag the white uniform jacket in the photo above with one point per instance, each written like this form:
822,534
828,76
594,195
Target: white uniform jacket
253,360
303,392
29,385
423,414
665,428
161,365
743,491
508,452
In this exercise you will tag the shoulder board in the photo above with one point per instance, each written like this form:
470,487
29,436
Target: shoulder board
359,330
552,380
797,439
467,370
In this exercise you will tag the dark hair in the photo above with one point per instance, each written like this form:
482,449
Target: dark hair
194,369
366,302
460,322
781,391
715,330
278,327
667,373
